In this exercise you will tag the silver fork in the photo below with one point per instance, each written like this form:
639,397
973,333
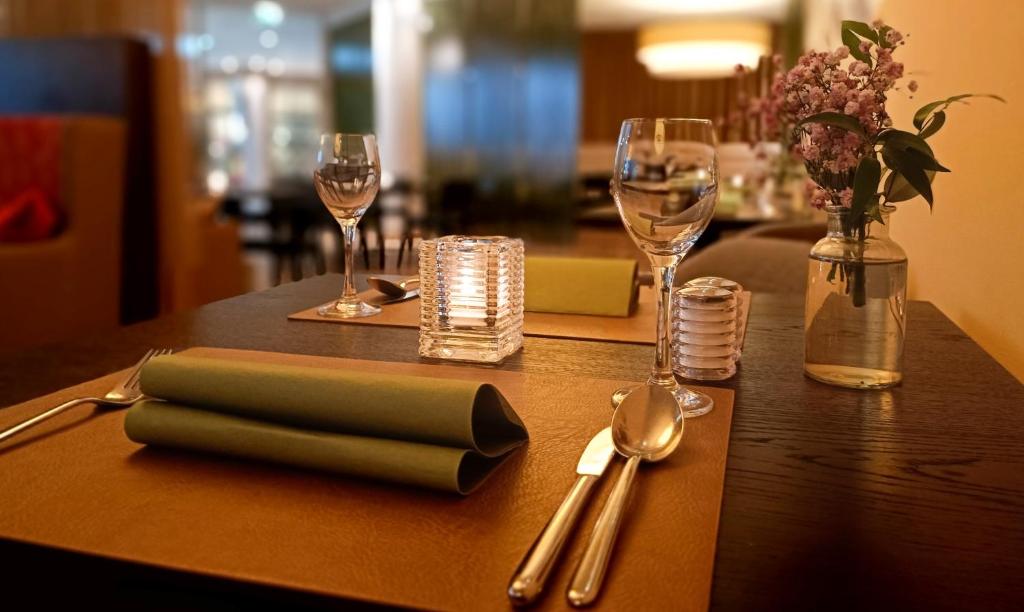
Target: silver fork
124,394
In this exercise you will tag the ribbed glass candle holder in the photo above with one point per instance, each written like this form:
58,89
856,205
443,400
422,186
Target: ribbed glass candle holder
471,298
704,333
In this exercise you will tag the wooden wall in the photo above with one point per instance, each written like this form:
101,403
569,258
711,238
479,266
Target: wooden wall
965,255
615,86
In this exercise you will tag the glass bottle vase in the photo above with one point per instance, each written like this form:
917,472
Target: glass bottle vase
855,309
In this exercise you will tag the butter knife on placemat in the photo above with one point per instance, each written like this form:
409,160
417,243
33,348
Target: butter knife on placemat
528,581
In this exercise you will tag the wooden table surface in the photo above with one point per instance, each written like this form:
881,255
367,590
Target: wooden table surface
834,499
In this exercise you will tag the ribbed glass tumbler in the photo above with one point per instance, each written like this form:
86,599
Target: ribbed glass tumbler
471,298
737,290
704,333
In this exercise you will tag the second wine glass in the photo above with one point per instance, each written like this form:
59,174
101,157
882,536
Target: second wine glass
665,186
347,179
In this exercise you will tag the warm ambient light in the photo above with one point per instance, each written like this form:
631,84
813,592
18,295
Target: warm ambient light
701,49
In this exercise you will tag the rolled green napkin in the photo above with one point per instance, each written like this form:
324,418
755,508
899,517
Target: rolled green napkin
431,432
581,285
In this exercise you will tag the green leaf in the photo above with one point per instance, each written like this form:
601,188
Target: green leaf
897,189
865,184
852,42
926,161
899,160
934,125
882,31
903,140
875,212
923,112
839,120
920,153
861,29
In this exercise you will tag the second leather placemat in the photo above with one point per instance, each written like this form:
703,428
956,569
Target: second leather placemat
77,483
637,329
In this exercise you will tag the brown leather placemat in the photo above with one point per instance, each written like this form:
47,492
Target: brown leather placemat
638,328
76,482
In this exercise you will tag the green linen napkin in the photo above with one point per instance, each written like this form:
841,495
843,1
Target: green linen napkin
431,432
581,285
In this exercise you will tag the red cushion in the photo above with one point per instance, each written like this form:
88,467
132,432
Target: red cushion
28,216
30,154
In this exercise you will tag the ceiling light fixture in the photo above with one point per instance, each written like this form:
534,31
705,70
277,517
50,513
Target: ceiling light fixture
268,13
701,49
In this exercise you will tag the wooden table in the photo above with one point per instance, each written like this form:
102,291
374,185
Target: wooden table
909,498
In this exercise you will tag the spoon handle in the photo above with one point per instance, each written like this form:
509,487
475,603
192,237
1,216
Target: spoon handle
586,582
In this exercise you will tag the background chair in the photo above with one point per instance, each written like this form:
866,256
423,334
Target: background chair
809,232
109,76
761,265
62,286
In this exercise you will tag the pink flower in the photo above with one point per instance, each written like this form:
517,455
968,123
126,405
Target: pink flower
831,81
819,197
859,68
846,197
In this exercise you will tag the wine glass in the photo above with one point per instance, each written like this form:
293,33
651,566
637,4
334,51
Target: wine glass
347,178
665,186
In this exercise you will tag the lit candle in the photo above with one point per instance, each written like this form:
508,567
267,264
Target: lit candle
468,275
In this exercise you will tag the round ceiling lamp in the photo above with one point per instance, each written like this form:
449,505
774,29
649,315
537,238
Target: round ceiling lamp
701,49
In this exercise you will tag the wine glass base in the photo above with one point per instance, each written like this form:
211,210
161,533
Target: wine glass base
692,403
347,310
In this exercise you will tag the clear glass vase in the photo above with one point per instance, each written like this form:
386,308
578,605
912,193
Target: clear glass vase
855,310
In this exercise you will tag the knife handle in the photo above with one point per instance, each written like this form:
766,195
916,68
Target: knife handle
586,581
528,581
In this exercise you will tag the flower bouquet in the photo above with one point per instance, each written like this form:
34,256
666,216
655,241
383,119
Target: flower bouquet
833,106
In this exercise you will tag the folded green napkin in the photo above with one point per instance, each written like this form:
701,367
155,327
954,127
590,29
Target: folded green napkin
431,432
578,285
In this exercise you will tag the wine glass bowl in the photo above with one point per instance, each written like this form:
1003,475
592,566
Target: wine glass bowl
665,193
347,190
347,178
665,187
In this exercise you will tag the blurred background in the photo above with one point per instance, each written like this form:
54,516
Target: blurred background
178,137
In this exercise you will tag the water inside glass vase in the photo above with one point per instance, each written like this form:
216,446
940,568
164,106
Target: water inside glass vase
855,317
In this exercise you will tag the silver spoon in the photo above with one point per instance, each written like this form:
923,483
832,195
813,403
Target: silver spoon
391,288
647,425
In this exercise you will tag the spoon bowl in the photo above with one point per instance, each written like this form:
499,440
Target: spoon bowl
391,288
647,424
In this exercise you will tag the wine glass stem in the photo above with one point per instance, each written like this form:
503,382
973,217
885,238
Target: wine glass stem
664,267
348,232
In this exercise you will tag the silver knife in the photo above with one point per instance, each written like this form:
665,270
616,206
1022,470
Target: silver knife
528,581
